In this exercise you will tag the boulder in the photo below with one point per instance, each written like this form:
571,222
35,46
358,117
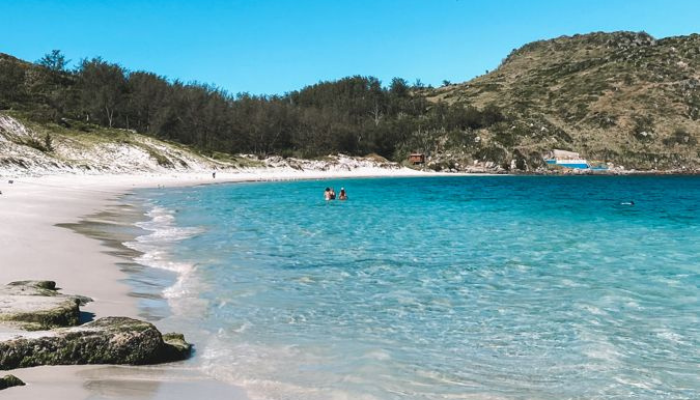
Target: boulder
9,381
36,305
111,340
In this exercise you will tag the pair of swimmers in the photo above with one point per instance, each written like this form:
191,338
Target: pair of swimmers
329,194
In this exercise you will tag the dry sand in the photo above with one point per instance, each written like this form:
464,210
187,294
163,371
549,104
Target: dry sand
33,247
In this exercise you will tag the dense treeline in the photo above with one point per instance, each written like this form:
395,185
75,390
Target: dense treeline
354,115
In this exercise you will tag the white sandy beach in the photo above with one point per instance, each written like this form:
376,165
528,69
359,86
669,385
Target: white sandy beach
34,248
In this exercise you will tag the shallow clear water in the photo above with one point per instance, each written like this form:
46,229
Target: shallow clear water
438,288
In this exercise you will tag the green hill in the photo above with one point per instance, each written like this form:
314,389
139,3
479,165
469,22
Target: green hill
622,97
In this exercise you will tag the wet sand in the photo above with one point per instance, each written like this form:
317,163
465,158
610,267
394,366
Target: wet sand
110,382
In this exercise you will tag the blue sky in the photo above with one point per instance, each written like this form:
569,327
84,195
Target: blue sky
267,46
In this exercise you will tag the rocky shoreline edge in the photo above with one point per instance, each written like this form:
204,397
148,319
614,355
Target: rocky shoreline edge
49,332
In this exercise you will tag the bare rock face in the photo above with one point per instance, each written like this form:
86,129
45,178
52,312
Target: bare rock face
36,305
9,381
111,340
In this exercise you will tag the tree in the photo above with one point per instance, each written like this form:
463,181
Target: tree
12,83
47,81
147,93
465,118
491,115
446,83
399,87
54,61
354,115
103,88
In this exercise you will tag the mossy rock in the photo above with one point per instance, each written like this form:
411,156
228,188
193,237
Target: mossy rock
111,340
177,347
48,285
9,381
36,305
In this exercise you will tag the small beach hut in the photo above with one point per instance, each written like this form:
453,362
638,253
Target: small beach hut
416,158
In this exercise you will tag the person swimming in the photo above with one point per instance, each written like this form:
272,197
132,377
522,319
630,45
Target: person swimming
332,194
343,194
327,194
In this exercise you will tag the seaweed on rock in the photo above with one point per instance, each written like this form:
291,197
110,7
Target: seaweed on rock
37,305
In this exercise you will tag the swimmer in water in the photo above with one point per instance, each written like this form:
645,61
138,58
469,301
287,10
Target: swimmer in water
327,194
343,194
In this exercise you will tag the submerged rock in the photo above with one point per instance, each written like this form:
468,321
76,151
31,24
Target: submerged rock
111,340
9,381
36,305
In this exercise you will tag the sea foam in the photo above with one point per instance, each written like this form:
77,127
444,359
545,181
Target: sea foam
156,247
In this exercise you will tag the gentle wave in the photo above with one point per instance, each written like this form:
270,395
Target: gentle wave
156,246
470,288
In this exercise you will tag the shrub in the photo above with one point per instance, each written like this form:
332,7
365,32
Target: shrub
36,144
644,129
680,137
48,142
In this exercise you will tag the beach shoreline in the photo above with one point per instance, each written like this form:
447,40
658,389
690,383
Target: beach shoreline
37,246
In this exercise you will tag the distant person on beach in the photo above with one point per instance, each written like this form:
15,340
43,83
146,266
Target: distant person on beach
213,175
343,194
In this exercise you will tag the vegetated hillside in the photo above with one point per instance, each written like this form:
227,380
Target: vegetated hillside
354,115
621,97
28,148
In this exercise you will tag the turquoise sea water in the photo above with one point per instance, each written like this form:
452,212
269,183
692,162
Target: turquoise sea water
437,288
